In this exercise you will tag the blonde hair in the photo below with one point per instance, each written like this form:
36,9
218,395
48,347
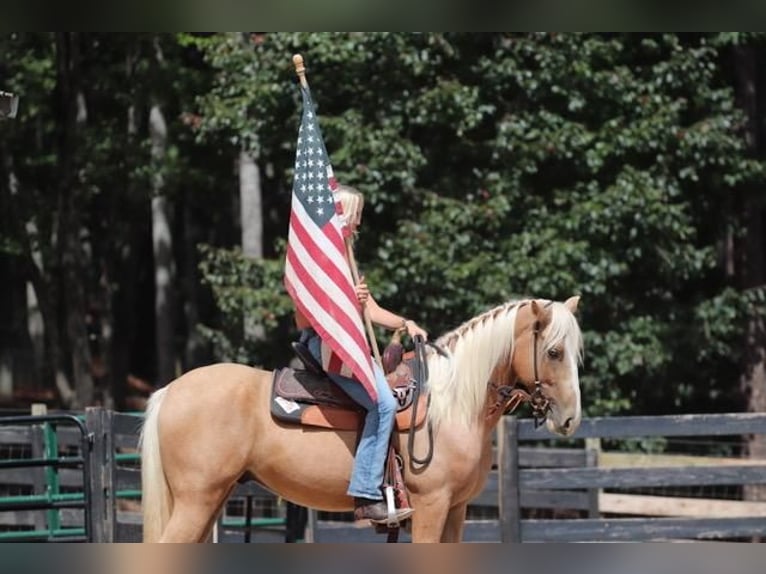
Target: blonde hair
352,202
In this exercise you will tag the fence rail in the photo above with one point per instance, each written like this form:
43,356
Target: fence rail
80,475
514,528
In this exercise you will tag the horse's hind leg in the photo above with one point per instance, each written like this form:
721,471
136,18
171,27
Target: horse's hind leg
208,535
453,527
193,516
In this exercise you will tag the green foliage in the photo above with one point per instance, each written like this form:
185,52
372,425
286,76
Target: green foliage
244,287
547,165
494,166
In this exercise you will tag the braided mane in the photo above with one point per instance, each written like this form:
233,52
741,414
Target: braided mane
458,386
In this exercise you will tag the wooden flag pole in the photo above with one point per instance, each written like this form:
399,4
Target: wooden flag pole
300,69
365,310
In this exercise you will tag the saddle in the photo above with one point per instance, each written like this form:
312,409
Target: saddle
308,397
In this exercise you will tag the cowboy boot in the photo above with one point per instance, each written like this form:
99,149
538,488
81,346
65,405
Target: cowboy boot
376,511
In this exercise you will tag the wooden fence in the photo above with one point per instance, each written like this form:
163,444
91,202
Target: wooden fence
561,478
93,492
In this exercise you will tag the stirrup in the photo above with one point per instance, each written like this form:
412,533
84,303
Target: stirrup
395,515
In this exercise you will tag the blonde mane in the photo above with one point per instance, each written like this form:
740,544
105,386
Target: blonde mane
458,385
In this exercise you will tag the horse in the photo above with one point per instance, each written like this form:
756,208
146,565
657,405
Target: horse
212,426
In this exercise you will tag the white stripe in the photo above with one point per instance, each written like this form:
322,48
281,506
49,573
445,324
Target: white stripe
338,258
359,355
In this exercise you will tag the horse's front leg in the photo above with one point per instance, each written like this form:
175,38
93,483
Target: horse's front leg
429,518
453,527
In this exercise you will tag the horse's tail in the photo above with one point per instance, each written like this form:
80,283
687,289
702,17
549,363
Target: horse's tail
154,486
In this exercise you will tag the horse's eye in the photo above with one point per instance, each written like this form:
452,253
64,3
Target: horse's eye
554,354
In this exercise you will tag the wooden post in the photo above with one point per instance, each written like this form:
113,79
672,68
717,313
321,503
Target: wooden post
592,449
509,502
37,446
104,507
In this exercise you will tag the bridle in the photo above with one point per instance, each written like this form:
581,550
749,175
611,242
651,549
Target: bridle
509,397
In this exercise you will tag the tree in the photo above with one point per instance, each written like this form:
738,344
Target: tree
494,166
545,164
79,221
746,261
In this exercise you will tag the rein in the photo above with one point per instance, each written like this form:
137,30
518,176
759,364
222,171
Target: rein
420,374
509,397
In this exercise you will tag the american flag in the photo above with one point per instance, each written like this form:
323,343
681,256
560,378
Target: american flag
317,272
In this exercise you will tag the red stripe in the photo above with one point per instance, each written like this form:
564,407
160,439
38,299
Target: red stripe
336,364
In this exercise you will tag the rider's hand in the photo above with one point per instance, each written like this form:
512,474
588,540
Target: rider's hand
413,329
362,291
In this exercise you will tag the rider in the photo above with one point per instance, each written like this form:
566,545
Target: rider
369,463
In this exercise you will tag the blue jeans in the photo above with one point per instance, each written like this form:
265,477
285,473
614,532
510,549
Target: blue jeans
370,459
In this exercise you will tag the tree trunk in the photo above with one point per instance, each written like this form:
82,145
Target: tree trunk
752,261
251,220
162,241
120,303
195,349
17,352
73,112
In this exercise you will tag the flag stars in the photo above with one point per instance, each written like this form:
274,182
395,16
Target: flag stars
312,170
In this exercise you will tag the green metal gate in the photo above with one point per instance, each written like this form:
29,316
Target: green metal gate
52,500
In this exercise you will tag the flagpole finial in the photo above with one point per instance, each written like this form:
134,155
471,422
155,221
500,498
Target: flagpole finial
300,69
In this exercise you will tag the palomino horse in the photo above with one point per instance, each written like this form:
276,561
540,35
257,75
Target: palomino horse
212,426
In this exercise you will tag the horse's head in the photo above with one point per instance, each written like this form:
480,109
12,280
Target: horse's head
546,352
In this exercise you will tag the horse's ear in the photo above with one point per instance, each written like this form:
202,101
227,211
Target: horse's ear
536,308
572,303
